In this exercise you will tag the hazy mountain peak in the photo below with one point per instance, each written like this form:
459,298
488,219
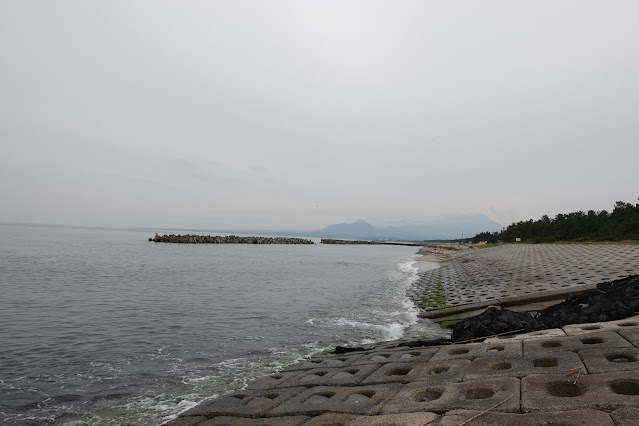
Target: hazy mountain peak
448,227
359,229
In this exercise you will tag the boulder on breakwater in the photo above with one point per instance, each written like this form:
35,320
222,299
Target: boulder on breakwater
228,239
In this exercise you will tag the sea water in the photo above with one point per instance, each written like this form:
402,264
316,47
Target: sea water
102,327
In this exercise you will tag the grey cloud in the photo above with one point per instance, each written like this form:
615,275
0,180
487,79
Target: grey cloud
370,109
210,172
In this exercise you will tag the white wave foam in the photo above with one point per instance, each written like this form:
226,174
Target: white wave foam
385,317
394,331
390,331
407,276
411,311
191,380
233,363
408,266
390,323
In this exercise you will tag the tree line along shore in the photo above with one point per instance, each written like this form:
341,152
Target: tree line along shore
619,225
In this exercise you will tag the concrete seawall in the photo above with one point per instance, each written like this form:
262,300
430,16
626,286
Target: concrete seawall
581,374
519,276
574,376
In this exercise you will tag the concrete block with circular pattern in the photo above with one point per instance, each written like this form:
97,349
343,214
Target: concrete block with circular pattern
404,419
540,334
542,363
558,392
328,419
338,399
608,360
247,403
418,355
274,380
238,421
575,343
624,324
324,362
563,418
474,350
440,371
346,376
442,397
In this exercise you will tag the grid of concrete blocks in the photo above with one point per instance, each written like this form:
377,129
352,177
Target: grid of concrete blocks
493,274
585,374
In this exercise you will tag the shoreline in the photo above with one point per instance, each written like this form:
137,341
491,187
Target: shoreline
408,329
425,264
567,375
442,252
175,309
381,379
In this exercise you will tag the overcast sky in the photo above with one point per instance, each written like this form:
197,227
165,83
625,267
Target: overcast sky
300,114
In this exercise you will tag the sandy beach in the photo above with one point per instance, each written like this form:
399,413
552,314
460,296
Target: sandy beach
442,252
431,255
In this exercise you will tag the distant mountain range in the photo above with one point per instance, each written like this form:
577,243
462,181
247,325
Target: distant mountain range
360,229
447,228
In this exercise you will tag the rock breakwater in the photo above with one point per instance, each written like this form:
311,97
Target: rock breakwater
333,241
379,243
228,239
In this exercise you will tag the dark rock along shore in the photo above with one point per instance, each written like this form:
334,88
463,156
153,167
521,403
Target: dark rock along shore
610,301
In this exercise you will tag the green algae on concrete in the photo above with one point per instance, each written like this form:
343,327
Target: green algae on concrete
453,316
437,298
436,306
436,313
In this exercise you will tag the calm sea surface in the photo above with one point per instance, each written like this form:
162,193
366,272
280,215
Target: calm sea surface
102,327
